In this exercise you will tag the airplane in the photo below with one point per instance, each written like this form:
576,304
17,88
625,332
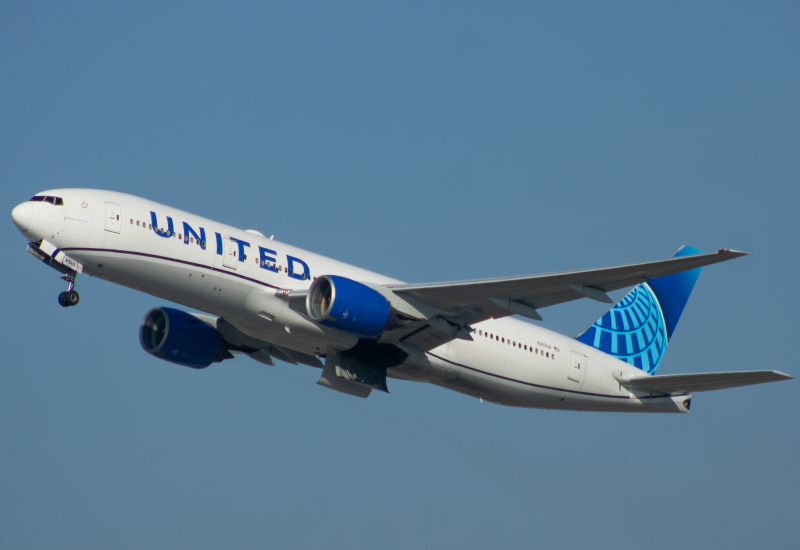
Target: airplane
270,300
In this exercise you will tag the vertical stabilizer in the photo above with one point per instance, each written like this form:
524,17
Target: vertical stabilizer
638,328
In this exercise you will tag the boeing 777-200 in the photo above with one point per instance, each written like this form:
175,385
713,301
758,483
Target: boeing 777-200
270,300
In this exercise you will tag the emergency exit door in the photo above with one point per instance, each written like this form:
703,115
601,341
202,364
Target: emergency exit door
576,366
113,212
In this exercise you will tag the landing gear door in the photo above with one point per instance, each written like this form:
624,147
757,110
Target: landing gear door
576,366
113,213
229,258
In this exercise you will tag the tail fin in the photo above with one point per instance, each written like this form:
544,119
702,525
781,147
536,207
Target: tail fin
639,326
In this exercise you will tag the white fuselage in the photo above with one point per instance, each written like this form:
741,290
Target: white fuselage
510,361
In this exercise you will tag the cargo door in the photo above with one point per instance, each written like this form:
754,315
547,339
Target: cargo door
229,258
113,213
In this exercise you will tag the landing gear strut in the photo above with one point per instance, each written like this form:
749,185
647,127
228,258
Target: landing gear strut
48,254
71,296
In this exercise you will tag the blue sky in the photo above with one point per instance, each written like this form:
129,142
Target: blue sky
427,141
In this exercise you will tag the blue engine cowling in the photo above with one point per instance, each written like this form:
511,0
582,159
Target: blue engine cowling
177,337
343,304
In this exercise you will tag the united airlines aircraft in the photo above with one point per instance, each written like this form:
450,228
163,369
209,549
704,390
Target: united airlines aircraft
270,300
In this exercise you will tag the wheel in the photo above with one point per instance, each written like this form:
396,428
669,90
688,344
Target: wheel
72,298
62,299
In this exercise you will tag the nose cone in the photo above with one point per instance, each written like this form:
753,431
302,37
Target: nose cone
21,215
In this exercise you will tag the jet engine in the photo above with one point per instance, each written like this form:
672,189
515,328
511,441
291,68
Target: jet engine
178,337
343,304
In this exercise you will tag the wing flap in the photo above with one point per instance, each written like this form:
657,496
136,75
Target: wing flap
707,381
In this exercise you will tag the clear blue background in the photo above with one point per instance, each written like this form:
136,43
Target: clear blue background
427,141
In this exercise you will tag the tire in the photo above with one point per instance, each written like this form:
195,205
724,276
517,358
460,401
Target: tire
62,299
72,298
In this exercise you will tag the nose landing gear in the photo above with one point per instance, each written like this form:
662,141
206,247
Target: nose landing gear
71,296
69,269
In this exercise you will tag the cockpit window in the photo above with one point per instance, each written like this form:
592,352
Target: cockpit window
57,201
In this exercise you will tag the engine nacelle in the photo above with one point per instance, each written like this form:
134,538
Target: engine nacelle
177,337
343,304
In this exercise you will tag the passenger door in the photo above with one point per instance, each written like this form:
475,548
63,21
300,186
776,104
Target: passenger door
576,366
229,258
113,213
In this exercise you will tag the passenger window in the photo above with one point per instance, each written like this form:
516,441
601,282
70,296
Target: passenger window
526,348
504,340
548,354
137,223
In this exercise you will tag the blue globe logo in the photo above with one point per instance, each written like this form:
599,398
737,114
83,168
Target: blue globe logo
633,330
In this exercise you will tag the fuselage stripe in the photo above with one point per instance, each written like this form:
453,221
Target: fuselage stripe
166,258
661,396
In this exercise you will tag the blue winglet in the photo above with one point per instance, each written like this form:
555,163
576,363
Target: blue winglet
638,328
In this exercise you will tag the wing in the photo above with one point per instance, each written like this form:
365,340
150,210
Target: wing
692,383
238,341
466,302
538,291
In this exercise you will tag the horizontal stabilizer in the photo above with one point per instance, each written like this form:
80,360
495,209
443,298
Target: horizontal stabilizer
707,381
